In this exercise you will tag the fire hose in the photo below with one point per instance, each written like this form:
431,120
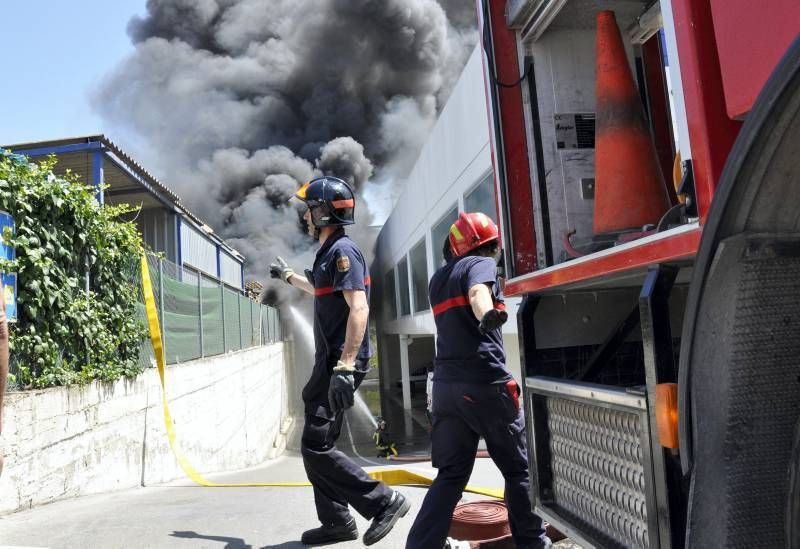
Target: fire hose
389,476
480,454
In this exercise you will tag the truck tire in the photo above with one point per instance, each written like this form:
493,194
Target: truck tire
739,374
793,498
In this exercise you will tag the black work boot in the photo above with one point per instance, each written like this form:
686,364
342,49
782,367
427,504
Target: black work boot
543,543
384,521
330,533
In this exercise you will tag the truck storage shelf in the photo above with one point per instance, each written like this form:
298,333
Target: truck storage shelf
613,265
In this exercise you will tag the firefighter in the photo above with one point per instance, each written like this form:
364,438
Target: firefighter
474,394
383,443
340,285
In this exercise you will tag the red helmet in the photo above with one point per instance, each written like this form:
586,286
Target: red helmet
470,231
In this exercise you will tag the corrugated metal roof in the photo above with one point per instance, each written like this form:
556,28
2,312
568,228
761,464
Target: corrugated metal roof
131,164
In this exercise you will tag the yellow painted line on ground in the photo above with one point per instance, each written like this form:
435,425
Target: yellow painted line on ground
389,476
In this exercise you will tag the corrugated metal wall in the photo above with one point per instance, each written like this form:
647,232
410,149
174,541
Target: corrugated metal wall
158,231
230,270
198,251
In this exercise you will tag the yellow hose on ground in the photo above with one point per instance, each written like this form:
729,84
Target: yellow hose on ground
389,476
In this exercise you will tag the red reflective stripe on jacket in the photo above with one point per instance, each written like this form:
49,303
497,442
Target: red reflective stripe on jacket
460,301
323,291
330,289
447,304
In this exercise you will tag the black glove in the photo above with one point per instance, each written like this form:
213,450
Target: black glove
342,387
280,269
493,319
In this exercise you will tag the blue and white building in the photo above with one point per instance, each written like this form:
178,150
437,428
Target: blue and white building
452,174
167,226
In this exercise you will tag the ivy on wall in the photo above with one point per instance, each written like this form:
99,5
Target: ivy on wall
76,265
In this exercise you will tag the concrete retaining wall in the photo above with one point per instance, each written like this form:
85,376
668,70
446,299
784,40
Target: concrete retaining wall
228,412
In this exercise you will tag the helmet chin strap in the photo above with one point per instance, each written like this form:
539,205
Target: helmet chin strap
317,230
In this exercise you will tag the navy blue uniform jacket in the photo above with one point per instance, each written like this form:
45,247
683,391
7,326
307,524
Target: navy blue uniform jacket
462,353
339,265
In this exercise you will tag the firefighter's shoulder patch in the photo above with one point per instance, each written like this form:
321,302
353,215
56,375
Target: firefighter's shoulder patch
342,263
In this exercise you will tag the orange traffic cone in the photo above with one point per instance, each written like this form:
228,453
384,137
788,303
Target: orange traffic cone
629,187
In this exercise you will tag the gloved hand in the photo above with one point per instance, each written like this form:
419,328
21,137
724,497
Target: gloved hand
492,319
280,269
342,387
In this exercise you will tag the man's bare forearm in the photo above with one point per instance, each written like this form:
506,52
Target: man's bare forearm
356,325
301,283
480,299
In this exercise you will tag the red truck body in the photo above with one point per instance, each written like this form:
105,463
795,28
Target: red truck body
606,329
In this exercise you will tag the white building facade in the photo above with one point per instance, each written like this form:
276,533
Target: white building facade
452,174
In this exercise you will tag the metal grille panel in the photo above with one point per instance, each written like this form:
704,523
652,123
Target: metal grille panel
593,463
597,470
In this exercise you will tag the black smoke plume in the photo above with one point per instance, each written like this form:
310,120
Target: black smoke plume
236,102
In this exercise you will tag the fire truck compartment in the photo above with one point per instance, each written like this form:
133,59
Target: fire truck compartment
557,54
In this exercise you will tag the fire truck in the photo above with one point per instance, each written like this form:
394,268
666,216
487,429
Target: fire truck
647,168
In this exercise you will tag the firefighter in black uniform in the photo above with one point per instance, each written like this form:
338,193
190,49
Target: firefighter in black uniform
383,443
474,394
340,285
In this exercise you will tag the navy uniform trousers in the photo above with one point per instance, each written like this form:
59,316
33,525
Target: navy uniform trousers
336,480
462,413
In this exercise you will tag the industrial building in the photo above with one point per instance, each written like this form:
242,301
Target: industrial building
452,174
167,226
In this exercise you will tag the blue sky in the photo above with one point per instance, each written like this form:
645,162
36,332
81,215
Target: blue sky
55,53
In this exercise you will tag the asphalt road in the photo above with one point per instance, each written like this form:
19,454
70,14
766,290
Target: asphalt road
182,515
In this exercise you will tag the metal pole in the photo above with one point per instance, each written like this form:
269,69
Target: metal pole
200,310
405,341
222,308
163,306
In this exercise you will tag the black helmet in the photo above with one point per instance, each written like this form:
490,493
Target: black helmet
330,200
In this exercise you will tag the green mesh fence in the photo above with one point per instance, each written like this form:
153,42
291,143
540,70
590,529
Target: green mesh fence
146,357
254,321
199,317
246,318
271,328
233,334
181,321
265,326
213,337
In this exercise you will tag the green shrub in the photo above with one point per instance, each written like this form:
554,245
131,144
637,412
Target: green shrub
65,241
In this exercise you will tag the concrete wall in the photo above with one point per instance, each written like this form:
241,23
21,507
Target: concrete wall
64,442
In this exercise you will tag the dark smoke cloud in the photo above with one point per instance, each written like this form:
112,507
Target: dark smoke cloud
345,157
246,99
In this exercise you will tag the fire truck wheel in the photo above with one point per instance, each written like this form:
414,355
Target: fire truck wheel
793,498
739,373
